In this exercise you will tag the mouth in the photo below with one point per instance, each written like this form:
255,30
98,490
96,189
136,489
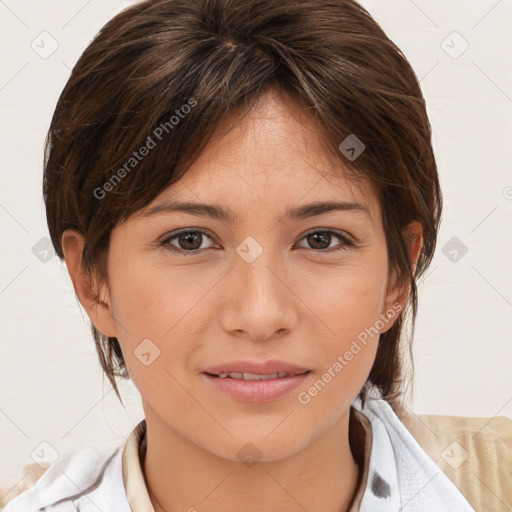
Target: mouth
255,383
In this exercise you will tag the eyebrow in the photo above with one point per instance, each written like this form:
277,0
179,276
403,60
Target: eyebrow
218,211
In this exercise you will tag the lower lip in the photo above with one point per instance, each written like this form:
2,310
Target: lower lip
256,391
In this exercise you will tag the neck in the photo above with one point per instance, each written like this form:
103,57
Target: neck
182,476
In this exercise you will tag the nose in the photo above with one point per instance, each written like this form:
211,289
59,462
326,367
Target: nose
258,301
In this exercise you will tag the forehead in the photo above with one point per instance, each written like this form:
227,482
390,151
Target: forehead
274,151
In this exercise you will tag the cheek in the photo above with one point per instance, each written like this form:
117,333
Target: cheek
348,308
155,334
346,301
150,310
150,300
348,313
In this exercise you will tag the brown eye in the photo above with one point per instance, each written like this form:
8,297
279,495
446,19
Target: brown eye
186,241
320,240
190,241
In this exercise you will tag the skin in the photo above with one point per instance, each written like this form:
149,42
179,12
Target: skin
296,302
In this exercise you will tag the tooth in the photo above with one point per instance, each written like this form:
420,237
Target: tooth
250,376
256,376
253,376
268,377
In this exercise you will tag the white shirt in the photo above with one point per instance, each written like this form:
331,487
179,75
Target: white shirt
396,473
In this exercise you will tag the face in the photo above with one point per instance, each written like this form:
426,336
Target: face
190,291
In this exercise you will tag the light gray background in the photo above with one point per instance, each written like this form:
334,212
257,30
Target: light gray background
51,385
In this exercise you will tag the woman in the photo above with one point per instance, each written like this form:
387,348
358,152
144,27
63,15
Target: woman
245,194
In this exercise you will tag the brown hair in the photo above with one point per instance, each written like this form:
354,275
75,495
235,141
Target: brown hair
131,86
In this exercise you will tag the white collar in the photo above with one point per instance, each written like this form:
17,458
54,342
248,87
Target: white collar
401,476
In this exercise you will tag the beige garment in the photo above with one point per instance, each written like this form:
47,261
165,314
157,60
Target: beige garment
474,453
133,477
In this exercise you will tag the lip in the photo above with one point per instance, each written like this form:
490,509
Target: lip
256,391
261,368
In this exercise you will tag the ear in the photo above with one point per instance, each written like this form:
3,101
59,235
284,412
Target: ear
398,292
99,311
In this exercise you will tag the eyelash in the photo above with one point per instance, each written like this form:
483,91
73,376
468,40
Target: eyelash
347,243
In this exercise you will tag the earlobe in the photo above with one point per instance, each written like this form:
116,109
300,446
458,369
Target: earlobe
73,244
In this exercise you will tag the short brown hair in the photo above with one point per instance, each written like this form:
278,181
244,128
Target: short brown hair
219,56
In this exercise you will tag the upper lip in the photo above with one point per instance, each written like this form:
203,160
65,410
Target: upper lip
266,368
